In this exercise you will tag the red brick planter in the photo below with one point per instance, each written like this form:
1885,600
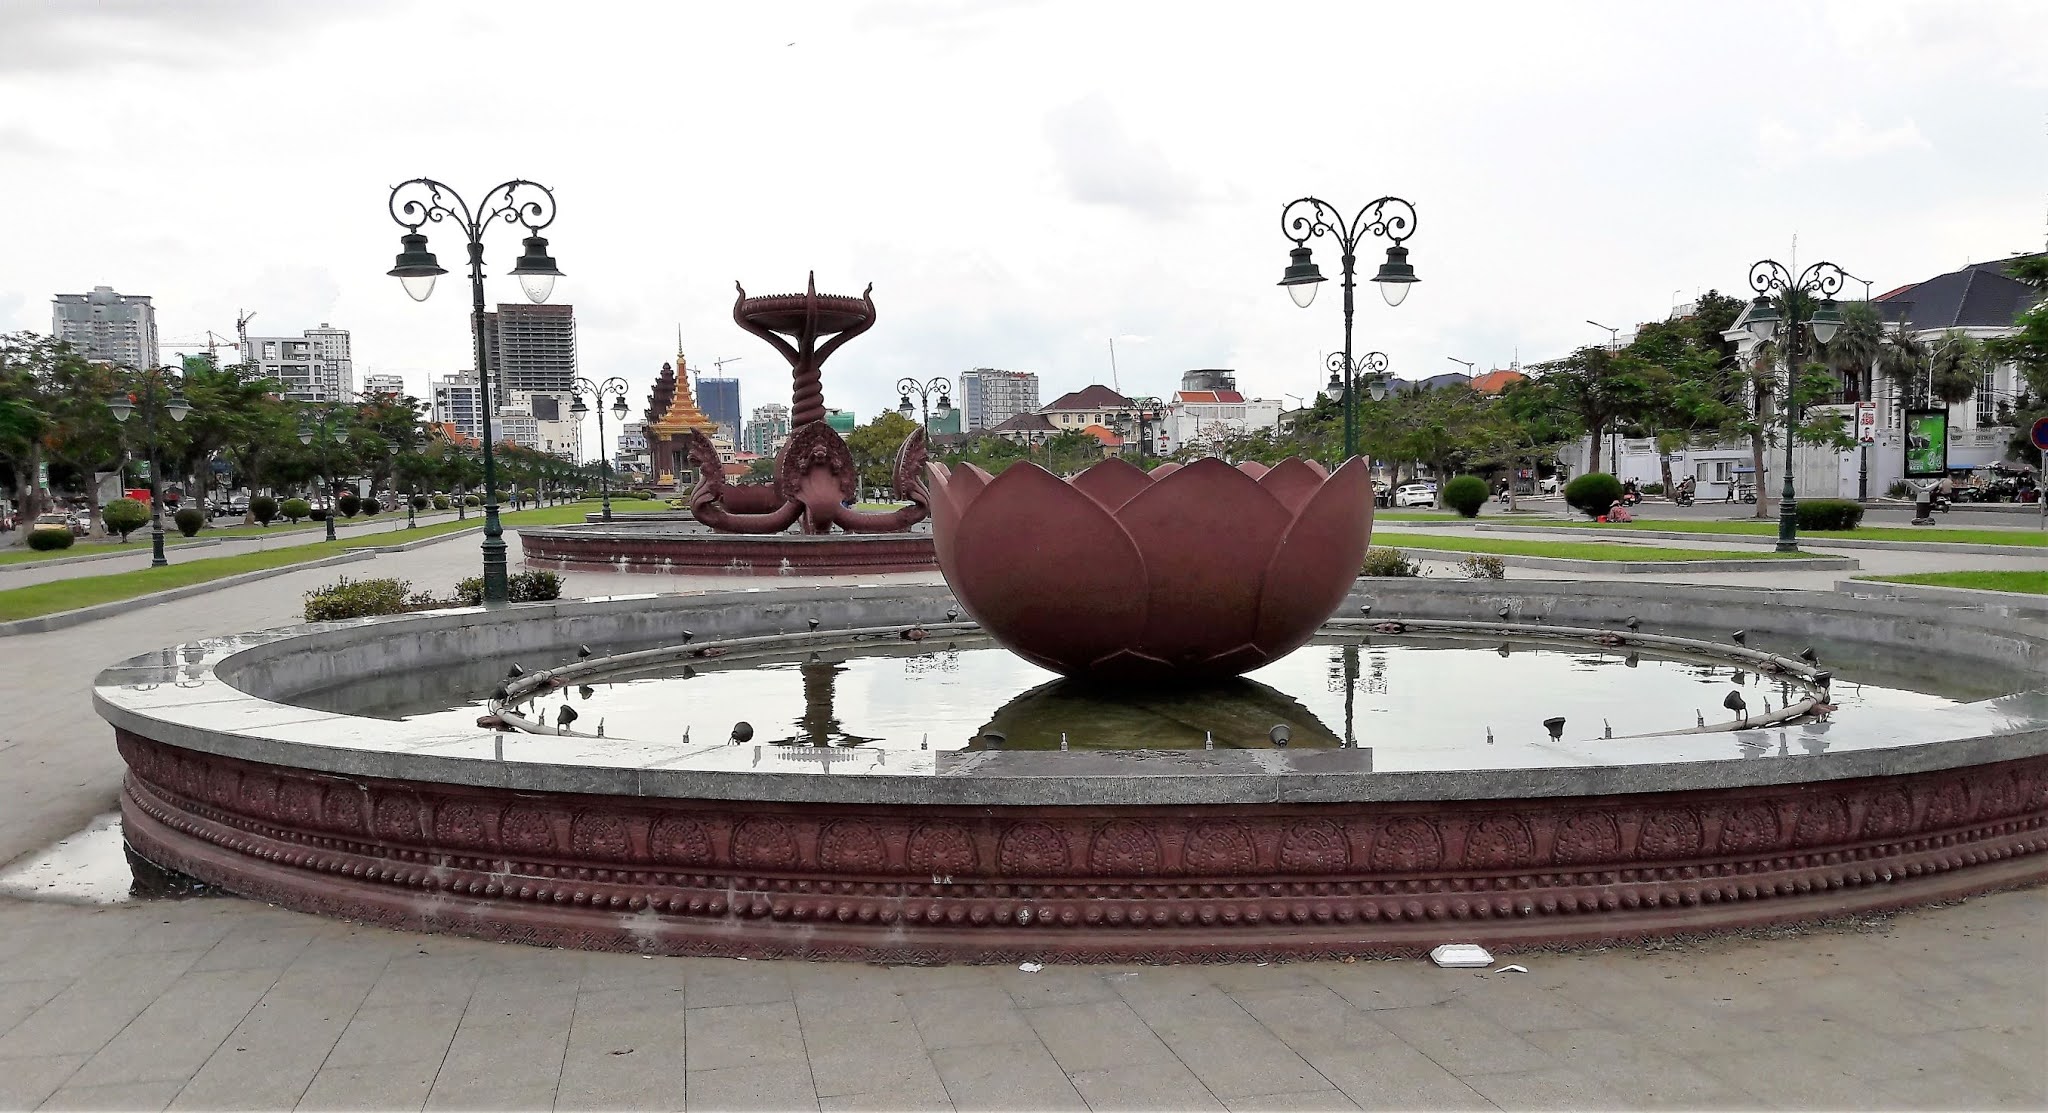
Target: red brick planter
614,550
1140,883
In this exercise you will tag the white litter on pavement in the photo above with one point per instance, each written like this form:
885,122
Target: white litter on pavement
1031,967
1461,956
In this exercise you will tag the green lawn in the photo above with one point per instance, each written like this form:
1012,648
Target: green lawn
1576,550
86,591
2030,583
2034,539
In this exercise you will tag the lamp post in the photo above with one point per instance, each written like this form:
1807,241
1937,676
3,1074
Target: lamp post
156,393
413,203
940,386
1389,218
1769,277
327,430
615,387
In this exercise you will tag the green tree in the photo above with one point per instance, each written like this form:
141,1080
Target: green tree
874,448
2027,351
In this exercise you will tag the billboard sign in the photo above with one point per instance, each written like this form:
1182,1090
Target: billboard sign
1866,423
1926,444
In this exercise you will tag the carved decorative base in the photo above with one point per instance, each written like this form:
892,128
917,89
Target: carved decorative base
908,884
729,554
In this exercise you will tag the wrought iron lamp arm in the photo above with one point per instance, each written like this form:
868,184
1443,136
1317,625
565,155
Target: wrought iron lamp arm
1389,218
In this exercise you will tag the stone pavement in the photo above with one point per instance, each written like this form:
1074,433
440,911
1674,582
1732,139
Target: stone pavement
219,1003
222,1003
136,555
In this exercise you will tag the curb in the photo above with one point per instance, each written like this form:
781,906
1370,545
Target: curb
1932,544
1642,567
87,558
62,619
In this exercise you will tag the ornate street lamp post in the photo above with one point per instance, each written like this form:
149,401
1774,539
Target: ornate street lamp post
1371,369
1769,277
157,393
1389,218
924,391
615,388
413,203
328,431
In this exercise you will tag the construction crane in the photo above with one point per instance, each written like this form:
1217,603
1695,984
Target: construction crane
212,342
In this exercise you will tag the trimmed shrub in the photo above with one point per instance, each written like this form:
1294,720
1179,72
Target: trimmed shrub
523,587
348,505
1465,494
190,520
421,502
440,502
1483,568
348,598
1653,488
371,507
49,540
295,509
1900,489
471,500
1593,494
1388,562
125,516
1838,514
318,513
263,508
526,494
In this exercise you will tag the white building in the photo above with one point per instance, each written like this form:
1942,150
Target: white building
517,425
767,429
383,385
314,366
632,445
1207,406
457,400
990,397
557,430
118,328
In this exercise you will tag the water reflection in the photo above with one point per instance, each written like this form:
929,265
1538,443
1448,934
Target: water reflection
1238,713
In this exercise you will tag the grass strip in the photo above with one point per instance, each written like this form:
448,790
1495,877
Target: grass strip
2022,539
2025,583
1574,550
71,594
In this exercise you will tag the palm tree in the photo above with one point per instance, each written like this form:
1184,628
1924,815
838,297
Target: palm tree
1857,346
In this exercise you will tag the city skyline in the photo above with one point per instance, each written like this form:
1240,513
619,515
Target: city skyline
1139,205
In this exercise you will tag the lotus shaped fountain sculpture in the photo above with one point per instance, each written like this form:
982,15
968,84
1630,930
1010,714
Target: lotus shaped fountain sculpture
1187,573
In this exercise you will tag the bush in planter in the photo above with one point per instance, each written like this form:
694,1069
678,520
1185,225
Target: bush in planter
190,520
1465,494
1484,568
471,500
371,507
295,509
421,502
523,587
125,516
1653,488
318,513
1835,514
348,598
1900,489
526,494
348,505
48,540
263,508
1388,562
1593,494
440,502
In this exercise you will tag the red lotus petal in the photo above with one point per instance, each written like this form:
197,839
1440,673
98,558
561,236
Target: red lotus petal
1253,468
1207,534
1046,570
1317,561
1112,482
1294,481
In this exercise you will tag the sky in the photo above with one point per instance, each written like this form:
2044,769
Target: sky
1021,182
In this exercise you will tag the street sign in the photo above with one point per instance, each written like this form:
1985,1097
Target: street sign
2039,433
1866,422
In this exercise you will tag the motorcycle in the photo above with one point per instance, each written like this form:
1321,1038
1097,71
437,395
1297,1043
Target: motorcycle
1682,497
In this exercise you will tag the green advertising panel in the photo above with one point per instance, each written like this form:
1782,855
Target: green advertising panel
1926,444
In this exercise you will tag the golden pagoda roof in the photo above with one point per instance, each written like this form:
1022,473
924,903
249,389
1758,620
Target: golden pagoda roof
683,414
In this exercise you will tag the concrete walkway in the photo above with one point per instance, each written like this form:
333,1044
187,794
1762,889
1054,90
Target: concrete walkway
136,554
222,1002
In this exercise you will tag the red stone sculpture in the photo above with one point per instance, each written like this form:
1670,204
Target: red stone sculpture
815,478
1189,573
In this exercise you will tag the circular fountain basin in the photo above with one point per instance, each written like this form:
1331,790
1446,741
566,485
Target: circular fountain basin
1364,835
681,546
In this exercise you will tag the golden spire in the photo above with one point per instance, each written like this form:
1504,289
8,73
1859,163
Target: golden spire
683,413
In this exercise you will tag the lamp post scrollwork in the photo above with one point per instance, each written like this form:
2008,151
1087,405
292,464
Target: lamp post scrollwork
615,389
908,388
1388,218
421,201
1772,280
157,393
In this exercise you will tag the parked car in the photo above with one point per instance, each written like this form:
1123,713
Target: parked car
1549,485
1415,494
73,524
